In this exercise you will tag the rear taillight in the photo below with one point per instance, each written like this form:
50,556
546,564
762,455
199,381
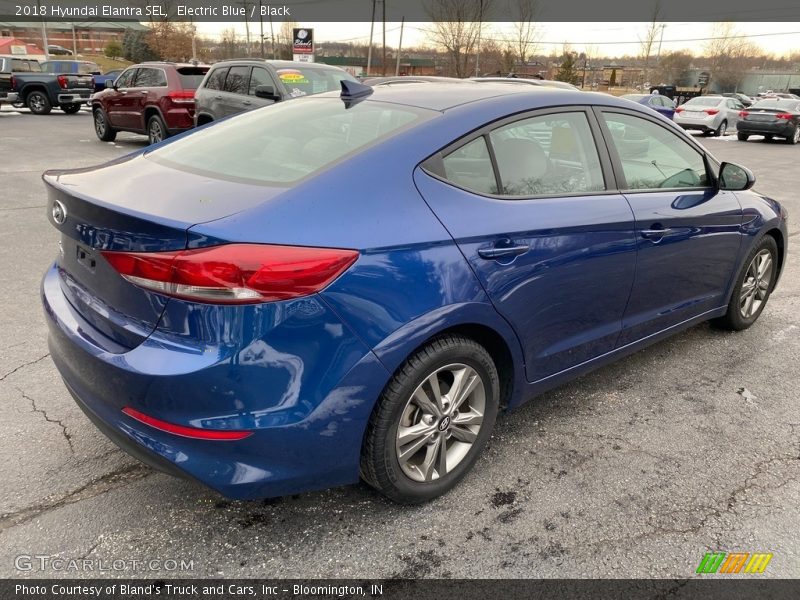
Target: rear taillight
744,113
13,83
234,273
711,111
197,433
786,116
62,81
182,96
680,109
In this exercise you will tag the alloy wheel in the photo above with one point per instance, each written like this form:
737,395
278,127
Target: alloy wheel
35,102
440,422
156,132
756,284
99,123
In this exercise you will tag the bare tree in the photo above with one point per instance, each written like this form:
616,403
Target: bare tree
674,68
648,40
455,28
729,54
525,34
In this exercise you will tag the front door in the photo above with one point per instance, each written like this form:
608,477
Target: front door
531,205
118,102
688,231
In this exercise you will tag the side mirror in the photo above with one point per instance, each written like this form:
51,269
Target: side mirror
109,83
267,92
735,178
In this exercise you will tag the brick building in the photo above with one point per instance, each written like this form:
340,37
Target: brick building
80,37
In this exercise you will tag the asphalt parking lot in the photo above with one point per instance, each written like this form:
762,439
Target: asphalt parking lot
636,470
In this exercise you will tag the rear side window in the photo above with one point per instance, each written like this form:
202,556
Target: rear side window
216,81
150,78
289,141
191,77
653,157
237,79
471,167
547,155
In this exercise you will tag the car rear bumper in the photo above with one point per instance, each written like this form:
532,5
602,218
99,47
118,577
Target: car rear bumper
9,97
782,129
307,412
74,96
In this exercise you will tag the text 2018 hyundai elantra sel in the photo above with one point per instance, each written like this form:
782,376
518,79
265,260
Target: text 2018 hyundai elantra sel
353,285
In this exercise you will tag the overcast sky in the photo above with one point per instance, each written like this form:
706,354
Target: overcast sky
610,39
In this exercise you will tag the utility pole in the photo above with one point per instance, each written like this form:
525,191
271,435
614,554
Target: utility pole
74,41
478,50
399,47
383,62
261,24
246,26
44,31
272,36
660,41
371,31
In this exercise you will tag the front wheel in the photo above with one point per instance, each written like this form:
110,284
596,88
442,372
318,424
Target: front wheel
38,103
753,286
71,109
156,130
432,420
104,131
721,130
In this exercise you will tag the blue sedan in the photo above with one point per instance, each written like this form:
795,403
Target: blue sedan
661,104
353,285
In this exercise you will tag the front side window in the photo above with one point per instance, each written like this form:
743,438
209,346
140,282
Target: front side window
126,79
653,157
547,155
216,80
260,76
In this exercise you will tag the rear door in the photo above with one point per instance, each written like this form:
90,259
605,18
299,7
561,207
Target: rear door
531,204
234,92
688,231
149,85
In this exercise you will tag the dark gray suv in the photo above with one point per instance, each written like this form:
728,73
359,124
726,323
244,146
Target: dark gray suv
235,86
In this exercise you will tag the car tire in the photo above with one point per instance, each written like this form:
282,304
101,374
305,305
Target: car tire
104,131
38,103
70,109
156,130
754,284
742,137
768,138
449,438
721,130
795,137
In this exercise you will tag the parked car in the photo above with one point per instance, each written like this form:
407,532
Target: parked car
661,104
235,86
777,117
7,93
743,98
526,81
85,67
709,114
153,98
58,50
100,80
354,285
40,90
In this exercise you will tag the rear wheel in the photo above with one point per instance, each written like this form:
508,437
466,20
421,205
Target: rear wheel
156,130
743,137
721,130
432,420
102,128
795,137
753,286
71,109
38,103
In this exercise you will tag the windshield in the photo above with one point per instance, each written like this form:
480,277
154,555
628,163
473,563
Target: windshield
287,141
708,101
304,81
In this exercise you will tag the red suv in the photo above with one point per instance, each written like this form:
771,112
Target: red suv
155,98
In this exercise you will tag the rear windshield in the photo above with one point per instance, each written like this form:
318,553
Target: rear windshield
712,101
191,76
783,104
281,144
304,81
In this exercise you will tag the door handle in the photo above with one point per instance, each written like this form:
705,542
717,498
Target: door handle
654,233
217,97
247,103
502,252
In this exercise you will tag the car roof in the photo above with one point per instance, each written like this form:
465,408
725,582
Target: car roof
410,79
444,96
278,64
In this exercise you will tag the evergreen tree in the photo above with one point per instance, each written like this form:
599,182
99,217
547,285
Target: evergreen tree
613,80
568,70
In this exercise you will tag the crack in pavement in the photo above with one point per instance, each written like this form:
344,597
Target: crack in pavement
58,422
95,487
22,366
